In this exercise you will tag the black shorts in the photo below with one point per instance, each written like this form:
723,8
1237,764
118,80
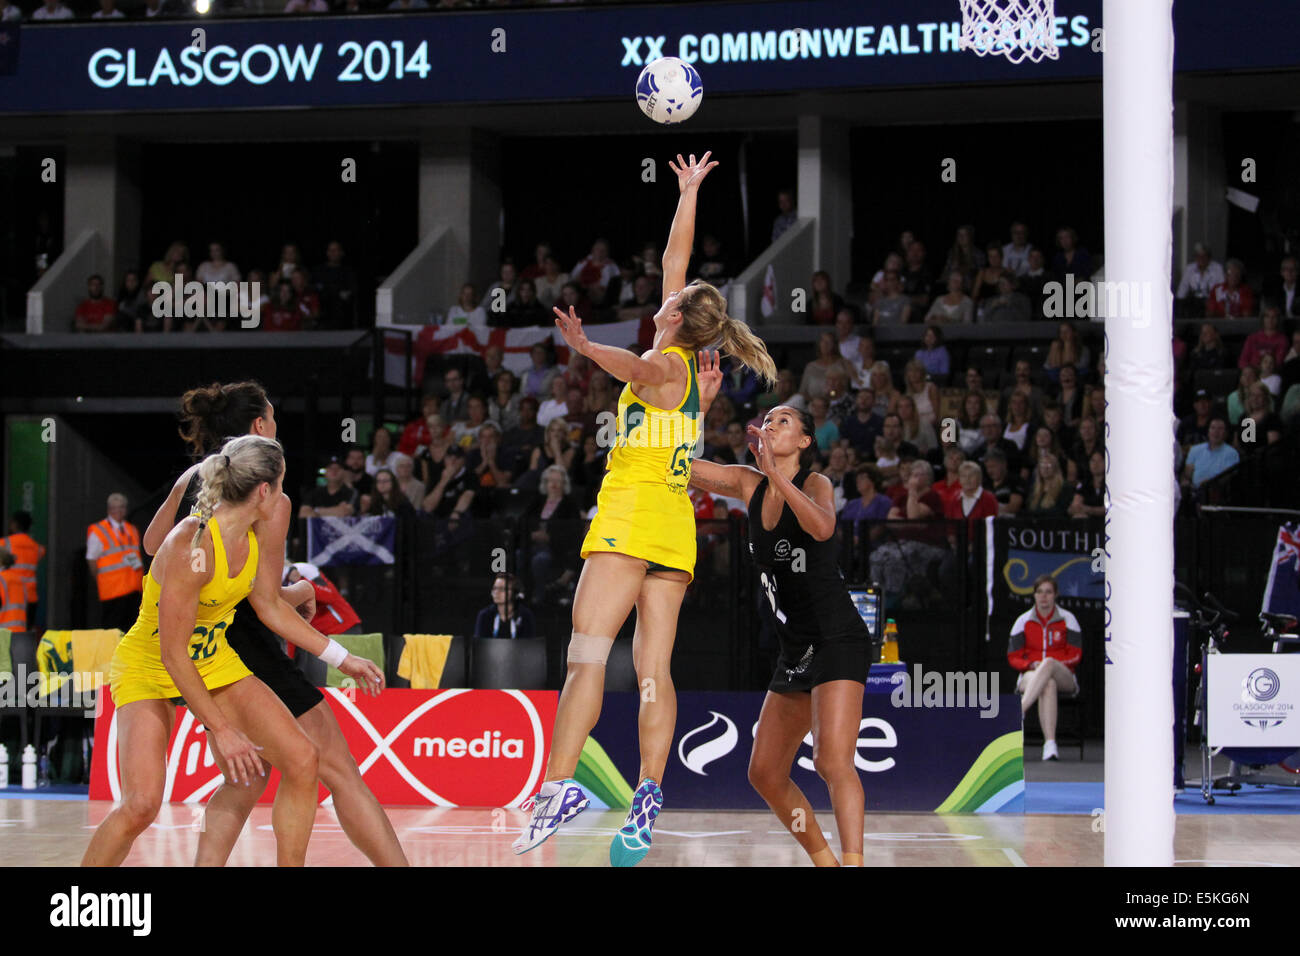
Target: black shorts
803,668
260,651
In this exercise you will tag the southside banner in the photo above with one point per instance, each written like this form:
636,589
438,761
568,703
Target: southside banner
443,748
553,55
928,759
1019,550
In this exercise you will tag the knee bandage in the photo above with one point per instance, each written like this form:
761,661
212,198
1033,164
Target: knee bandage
588,649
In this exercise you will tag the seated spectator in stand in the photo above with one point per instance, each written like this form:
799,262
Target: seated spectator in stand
9,12
1015,254
1048,495
557,448
132,303
1066,349
813,384
52,10
255,284
537,380
846,338
1237,399
452,495
354,469
643,303
538,266
505,617
836,471
1031,284
1195,427
985,284
870,504
1231,298
740,385
1044,443
893,307
336,285
1267,339
786,216
1054,422
455,405
784,392
916,430
1071,258
217,268
964,258
404,471
487,465
1046,646
1095,403
519,442
1282,289
308,301
1199,279
467,311
1023,382
1090,494
503,406
550,525
933,354
839,398
508,282
713,432
577,374
923,393
573,297
1008,305
1209,351
970,501
862,426
949,486
165,269
894,262
387,497
1210,458
1069,396
416,432
550,282
712,265
737,450
557,406
381,451
465,432
954,306
916,499
1260,425
1019,420
1268,374
993,438
524,311
1003,484
824,303
826,432
594,273
969,438
334,499
284,314
429,462
97,312
1290,370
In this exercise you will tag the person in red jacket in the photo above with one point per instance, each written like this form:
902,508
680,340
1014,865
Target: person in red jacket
333,614
1267,339
416,434
1046,647
972,502
1231,298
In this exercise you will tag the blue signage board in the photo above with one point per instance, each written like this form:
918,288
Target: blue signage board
530,55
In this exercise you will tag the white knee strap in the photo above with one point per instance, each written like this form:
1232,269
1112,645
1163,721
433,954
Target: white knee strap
588,649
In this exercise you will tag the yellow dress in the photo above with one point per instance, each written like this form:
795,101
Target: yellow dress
138,673
643,509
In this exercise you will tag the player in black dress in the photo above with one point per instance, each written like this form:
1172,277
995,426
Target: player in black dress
822,672
210,415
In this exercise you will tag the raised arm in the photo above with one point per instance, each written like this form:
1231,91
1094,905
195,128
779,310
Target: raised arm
813,505
681,236
653,369
165,516
730,481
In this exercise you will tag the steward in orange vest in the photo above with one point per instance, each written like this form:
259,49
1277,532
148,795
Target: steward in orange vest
113,550
27,552
13,600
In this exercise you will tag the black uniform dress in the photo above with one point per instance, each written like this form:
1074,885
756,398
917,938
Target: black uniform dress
257,645
821,634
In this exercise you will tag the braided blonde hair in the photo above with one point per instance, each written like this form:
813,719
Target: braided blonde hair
233,473
705,323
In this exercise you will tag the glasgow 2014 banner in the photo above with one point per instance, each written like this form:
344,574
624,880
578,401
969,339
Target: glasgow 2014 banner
1020,549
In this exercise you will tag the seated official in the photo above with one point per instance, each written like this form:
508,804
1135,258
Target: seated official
505,617
1046,646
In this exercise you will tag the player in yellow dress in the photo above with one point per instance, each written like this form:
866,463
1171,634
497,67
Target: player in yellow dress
177,648
640,550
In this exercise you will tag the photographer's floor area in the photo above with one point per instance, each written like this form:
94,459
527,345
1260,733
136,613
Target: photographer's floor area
53,832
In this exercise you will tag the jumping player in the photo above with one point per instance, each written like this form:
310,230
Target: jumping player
640,549
208,415
177,648
825,646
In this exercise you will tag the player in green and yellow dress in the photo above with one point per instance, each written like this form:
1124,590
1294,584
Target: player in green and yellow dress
640,550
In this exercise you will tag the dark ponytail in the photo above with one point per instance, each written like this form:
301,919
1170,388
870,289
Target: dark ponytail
211,414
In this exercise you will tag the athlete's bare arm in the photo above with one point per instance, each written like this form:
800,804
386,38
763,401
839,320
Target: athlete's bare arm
730,481
163,518
681,235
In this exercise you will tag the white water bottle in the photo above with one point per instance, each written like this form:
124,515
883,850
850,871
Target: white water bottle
4,767
29,768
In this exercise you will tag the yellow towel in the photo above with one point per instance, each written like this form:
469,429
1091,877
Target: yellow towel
92,656
54,660
423,658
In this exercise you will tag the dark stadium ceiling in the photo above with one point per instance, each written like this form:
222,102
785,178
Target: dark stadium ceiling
876,107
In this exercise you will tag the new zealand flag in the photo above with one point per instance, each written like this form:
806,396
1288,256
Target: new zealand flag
1282,596
351,541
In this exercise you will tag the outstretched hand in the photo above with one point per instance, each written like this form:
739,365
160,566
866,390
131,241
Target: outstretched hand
690,175
763,455
570,327
709,375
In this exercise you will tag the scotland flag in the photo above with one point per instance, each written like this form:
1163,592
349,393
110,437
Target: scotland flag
351,541
1282,596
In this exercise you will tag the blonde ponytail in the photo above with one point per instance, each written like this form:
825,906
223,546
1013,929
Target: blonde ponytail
234,473
705,321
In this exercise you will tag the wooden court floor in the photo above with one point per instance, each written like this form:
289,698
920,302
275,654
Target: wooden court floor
55,833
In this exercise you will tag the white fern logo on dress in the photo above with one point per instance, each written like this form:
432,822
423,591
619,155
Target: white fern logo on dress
699,757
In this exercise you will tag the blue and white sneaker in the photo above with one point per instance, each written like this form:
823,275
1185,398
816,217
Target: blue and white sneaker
632,841
559,801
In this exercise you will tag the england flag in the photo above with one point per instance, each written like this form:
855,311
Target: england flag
1282,596
351,541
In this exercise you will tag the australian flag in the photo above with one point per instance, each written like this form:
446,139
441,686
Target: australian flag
1282,596
351,541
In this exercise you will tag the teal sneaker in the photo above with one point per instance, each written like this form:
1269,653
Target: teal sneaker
632,841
